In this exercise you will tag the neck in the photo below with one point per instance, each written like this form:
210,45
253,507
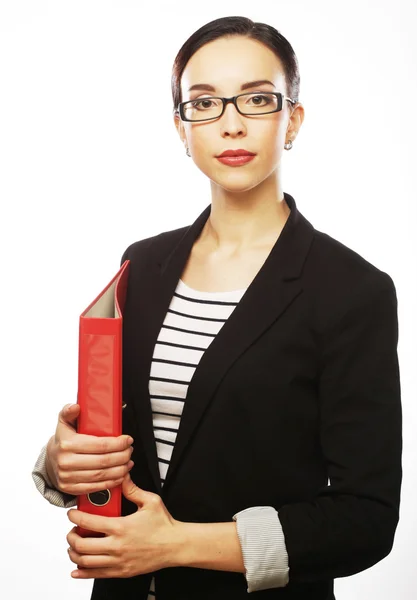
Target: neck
246,220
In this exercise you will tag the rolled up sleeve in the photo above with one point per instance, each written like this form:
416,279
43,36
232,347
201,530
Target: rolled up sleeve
263,548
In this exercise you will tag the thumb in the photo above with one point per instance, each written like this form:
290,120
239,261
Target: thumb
134,493
69,414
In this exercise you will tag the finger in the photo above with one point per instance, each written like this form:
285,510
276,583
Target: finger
89,545
70,461
110,572
69,413
96,475
81,480
88,561
82,443
84,488
106,525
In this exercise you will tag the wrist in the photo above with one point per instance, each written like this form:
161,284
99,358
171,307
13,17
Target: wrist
48,464
177,555
207,546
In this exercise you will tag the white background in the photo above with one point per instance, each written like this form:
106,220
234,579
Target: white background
85,171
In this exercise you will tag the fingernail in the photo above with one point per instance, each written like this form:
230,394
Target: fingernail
130,440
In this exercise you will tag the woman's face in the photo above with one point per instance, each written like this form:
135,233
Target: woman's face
226,64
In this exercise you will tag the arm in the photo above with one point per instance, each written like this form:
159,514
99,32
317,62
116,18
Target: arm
207,546
254,545
350,525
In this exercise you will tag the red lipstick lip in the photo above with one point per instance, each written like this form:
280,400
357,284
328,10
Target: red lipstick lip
236,153
236,161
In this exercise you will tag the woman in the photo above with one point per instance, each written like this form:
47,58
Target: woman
267,442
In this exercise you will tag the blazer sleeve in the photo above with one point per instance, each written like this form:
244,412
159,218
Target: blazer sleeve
350,524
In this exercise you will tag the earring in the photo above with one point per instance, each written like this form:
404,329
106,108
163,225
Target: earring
187,151
288,146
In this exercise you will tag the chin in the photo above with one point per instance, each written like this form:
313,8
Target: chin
232,179
237,186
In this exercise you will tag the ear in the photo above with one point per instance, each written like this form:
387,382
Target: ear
296,120
180,127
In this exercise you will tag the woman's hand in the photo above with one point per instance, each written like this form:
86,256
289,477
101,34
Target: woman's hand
142,542
82,464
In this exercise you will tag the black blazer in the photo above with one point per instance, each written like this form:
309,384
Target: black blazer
295,405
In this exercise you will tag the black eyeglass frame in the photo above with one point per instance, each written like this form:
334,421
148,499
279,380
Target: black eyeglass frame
233,100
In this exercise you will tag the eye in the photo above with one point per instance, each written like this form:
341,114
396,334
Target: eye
266,98
204,103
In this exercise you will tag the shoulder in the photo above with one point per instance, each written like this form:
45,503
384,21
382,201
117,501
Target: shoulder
340,280
161,242
338,263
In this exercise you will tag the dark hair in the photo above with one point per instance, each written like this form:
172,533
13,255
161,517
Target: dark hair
233,26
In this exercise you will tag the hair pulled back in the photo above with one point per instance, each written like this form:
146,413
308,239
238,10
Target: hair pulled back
233,26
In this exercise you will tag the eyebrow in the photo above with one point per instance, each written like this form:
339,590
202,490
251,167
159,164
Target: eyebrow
244,86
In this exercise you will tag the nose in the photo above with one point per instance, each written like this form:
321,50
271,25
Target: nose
231,119
230,107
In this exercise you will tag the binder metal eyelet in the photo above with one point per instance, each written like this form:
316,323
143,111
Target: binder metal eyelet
100,498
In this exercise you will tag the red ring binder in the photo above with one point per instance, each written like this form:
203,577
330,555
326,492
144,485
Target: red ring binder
100,380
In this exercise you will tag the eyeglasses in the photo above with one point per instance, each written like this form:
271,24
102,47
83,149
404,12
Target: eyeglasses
205,109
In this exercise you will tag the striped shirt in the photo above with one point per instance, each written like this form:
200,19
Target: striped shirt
191,323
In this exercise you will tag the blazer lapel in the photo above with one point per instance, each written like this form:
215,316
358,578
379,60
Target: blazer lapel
275,286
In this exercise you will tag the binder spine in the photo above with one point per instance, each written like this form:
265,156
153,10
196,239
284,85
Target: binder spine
100,399
100,384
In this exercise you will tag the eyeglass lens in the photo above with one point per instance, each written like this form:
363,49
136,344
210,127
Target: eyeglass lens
249,104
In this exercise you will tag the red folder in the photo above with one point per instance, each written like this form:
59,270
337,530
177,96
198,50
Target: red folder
100,382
